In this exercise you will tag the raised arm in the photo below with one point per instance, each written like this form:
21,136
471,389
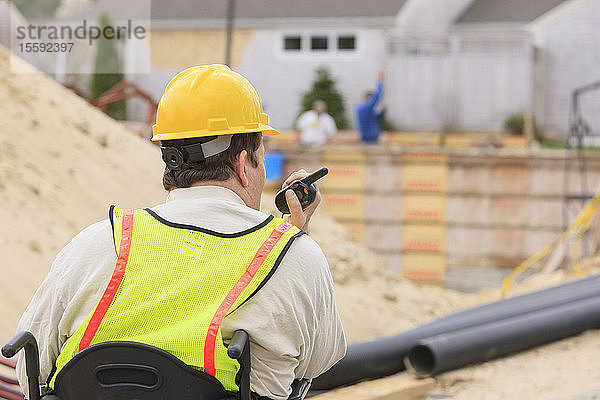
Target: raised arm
378,90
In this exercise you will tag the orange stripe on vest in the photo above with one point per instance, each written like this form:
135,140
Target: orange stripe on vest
234,293
115,281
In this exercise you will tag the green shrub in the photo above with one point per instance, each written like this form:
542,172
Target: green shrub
323,88
515,125
387,125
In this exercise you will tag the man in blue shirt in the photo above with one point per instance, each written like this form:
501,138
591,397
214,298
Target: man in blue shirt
367,116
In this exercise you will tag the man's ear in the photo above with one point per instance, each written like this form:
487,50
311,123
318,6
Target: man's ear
240,167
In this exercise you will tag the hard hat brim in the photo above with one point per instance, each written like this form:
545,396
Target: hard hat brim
266,130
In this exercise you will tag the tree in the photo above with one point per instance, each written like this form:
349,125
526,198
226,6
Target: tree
323,88
107,67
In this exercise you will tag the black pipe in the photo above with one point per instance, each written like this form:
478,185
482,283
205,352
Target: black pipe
481,343
382,357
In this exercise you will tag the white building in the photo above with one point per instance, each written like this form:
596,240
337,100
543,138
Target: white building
498,58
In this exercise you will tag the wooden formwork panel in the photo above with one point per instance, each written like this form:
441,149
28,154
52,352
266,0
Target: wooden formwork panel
468,240
468,179
384,208
424,237
385,178
468,209
425,207
384,237
424,267
344,177
425,177
505,179
549,181
345,205
510,210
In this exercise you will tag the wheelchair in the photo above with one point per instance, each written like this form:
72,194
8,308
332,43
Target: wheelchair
135,371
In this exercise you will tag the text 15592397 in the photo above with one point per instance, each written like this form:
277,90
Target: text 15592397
51,47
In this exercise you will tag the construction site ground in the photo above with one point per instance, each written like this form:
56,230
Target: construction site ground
62,163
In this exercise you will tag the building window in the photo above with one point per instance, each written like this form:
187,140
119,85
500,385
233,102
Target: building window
346,42
292,43
324,43
318,43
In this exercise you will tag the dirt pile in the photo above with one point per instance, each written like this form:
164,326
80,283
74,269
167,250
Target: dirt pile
62,163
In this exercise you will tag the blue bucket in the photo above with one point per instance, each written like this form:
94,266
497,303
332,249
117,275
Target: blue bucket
274,167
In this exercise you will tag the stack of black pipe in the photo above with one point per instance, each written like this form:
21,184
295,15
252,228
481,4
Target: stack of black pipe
475,335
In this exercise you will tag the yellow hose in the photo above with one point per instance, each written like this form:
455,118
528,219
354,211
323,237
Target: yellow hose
579,225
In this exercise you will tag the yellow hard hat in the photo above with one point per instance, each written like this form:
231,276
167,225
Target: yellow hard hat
209,100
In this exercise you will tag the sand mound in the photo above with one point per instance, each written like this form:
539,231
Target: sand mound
62,163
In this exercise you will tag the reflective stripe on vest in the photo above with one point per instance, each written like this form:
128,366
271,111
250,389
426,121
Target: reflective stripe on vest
113,284
234,293
173,285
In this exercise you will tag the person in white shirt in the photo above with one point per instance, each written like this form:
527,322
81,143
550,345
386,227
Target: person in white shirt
315,127
214,185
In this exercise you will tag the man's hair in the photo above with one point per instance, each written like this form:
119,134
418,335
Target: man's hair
215,168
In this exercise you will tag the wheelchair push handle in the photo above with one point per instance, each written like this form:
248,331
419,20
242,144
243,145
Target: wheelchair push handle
27,341
238,342
239,349
24,340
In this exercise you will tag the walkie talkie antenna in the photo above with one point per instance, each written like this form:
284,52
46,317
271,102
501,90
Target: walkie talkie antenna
315,176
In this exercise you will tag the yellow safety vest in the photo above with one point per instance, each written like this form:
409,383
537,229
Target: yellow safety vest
173,284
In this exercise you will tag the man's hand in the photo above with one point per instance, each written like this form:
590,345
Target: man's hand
380,75
298,216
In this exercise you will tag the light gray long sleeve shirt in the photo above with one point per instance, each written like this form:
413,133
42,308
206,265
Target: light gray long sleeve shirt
293,322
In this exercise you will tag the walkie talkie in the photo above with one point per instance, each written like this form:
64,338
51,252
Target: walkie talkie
304,190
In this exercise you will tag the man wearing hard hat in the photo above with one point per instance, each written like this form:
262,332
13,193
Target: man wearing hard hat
189,272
